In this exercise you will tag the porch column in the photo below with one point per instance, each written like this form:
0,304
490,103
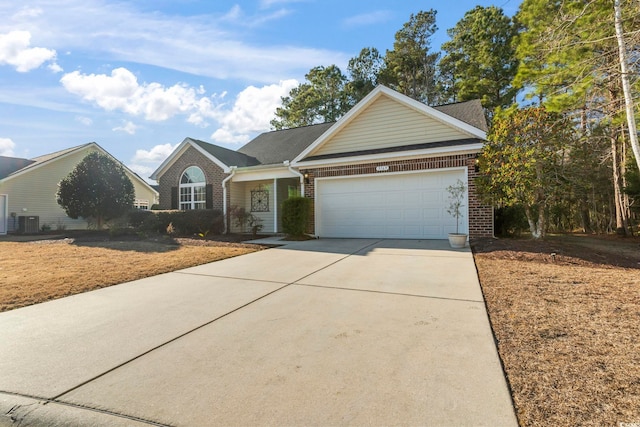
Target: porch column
275,205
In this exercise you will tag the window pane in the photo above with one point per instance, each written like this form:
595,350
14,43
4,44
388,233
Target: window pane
199,194
192,175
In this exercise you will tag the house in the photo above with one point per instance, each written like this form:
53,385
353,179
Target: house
28,190
381,171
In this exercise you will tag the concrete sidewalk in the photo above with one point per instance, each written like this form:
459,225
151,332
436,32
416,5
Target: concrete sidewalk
322,332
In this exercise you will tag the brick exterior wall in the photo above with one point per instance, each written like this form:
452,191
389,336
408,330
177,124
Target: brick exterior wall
480,216
191,157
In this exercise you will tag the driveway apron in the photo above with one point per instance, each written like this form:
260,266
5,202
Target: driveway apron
323,332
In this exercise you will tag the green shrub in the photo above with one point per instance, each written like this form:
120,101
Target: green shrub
185,223
142,219
295,215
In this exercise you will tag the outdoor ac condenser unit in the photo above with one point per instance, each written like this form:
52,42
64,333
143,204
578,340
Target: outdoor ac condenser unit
28,224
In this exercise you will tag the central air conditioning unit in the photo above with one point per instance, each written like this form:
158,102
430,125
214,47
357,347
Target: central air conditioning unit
28,224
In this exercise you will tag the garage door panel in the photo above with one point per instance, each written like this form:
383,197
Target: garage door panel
411,205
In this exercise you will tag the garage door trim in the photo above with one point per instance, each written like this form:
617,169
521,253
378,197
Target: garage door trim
317,208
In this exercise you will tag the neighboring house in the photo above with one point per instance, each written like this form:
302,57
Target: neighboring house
381,171
28,190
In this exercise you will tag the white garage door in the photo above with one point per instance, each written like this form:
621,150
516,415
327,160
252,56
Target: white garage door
404,205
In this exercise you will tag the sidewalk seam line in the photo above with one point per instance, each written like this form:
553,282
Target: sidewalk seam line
83,407
390,293
55,398
163,344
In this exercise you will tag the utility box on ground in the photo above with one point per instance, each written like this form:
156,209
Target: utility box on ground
28,224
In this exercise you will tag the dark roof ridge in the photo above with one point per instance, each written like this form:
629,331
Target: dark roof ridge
297,127
454,103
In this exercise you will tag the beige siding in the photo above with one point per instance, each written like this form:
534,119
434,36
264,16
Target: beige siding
387,123
143,192
33,193
266,217
237,197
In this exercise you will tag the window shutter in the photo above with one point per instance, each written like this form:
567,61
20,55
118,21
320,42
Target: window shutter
209,195
174,197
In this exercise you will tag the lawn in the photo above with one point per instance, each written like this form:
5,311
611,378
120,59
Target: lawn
45,269
566,316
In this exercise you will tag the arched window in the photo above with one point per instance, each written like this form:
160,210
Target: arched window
193,189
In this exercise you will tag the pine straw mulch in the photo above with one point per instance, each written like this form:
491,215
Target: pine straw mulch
37,269
566,316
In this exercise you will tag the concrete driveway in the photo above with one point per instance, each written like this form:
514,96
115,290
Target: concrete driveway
323,332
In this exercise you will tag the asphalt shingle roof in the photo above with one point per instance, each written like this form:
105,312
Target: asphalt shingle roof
277,146
226,156
470,112
9,165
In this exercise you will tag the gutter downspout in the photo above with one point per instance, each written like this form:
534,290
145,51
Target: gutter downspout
295,172
224,197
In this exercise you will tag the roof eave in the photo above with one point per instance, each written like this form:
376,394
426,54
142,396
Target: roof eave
392,156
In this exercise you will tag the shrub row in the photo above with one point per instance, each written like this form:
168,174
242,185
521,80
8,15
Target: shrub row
183,222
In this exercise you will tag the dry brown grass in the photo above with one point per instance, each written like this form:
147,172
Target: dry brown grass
37,271
567,326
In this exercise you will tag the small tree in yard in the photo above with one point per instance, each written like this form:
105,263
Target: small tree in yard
522,162
456,197
97,188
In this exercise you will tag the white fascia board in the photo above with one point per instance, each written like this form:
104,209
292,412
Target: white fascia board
187,141
403,99
169,160
30,168
399,155
260,174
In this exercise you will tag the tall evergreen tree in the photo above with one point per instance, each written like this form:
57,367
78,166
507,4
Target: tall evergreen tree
480,61
410,68
364,71
322,98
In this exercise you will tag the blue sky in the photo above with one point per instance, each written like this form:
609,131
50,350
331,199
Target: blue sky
138,76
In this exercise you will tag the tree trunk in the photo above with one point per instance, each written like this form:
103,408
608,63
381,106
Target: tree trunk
620,212
626,87
534,224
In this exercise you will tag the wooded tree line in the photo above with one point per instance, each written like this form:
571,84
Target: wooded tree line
551,79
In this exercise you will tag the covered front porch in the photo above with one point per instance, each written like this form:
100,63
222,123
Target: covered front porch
256,199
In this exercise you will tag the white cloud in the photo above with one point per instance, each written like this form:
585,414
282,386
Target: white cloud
84,120
226,136
27,12
6,147
128,127
251,112
367,18
55,68
213,45
142,171
157,153
15,51
121,91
